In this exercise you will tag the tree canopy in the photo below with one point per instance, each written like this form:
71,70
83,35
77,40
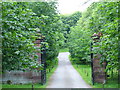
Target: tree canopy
99,17
21,22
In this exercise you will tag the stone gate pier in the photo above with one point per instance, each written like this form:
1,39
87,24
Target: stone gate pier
98,68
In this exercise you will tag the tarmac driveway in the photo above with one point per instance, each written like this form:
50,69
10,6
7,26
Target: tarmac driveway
65,75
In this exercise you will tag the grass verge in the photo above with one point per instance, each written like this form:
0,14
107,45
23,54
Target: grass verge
85,72
50,73
64,50
23,86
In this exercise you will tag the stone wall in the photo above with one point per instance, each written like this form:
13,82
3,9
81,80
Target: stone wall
20,77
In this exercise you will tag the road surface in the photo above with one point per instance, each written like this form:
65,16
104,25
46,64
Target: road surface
65,75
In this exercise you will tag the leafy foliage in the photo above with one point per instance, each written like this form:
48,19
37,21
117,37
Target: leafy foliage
99,17
106,18
51,29
18,33
69,21
21,24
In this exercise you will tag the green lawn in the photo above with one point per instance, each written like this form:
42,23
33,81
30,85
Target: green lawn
64,50
37,85
23,86
85,72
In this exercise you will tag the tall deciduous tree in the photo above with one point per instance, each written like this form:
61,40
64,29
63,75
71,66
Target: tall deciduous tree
69,21
21,22
99,17
18,34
